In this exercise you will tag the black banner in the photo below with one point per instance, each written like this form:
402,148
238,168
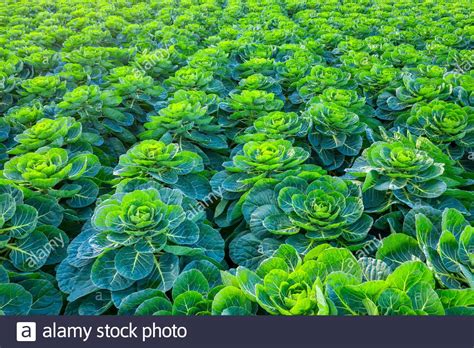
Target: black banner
337,332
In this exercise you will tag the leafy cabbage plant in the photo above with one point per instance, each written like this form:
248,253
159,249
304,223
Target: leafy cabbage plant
321,208
448,124
47,132
330,281
412,168
259,160
136,238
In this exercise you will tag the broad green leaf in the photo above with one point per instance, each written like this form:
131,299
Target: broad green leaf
164,273
432,217
394,302
7,207
466,246
455,298
84,165
133,264
187,303
130,303
280,224
75,281
314,253
270,264
86,196
229,298
454,222
410,273
185,234
247,281
30,253
96,303
58,242
49,210
339,260
211,242
448,251
14,299
289,255
425,231
246,251
334,283
179,250
429,189
358,230
192,280
155,306
425,300
104,273
370,306
195,186
208,269
323,306
23,221
354,298
47,300
4,278
399,248
450,280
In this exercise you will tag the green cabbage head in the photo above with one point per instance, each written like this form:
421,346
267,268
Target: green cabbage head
42,169
412,168
258,160
163,162
47,132
267,157
139,213
444,123
277,125
325,209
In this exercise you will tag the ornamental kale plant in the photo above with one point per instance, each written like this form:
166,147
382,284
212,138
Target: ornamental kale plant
159,160
448,124
47,132
236,157
324,209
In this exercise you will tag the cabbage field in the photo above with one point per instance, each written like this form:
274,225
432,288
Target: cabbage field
236,157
